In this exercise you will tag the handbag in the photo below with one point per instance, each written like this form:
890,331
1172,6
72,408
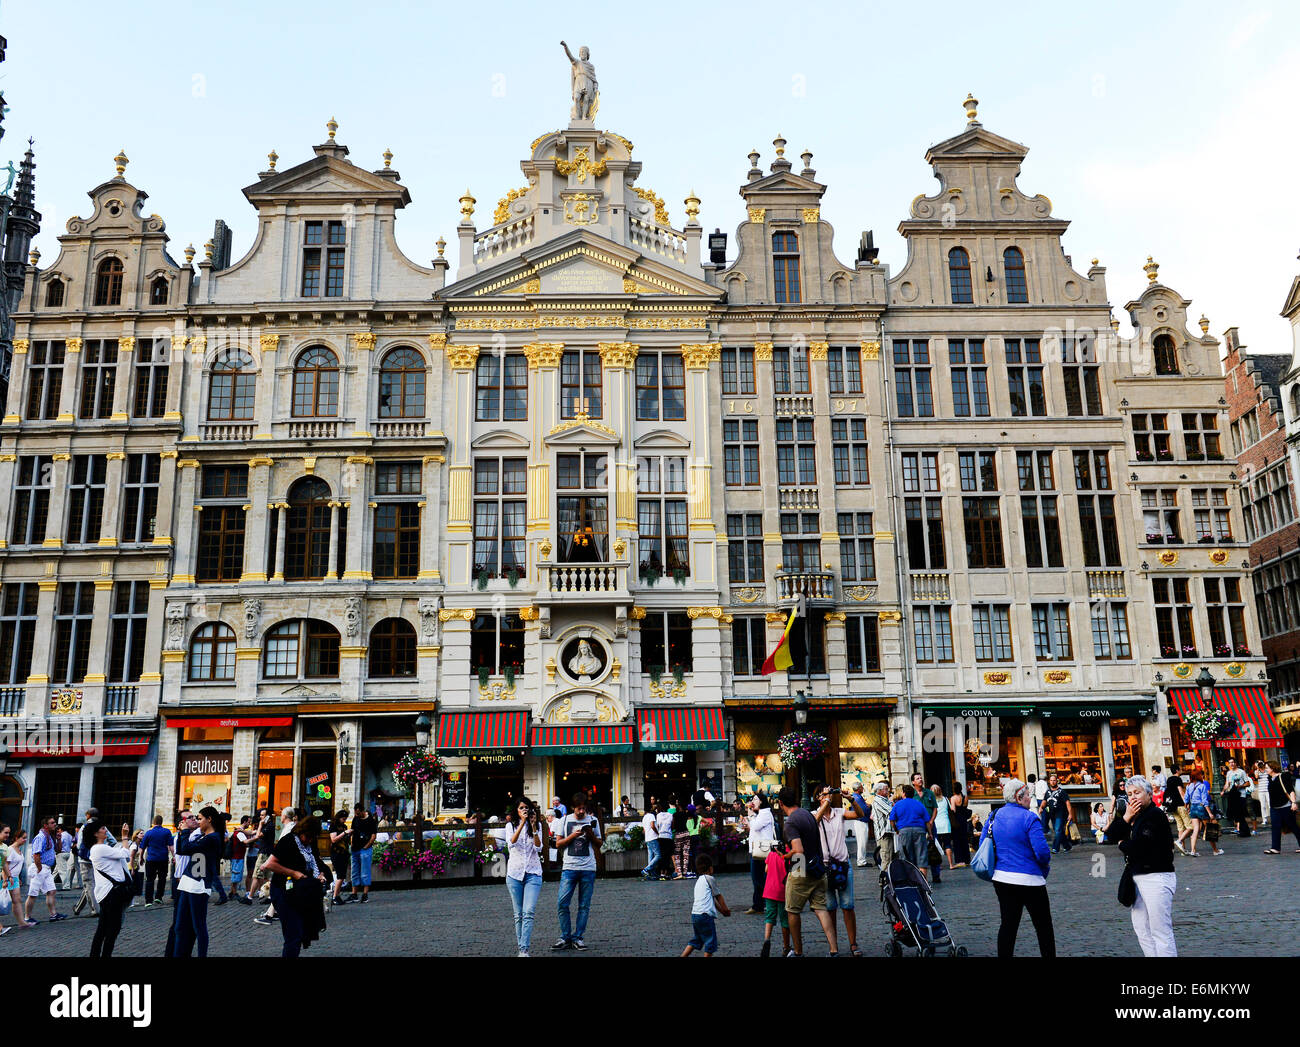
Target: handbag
6,903
837,872
984,862
1128,892
1073,832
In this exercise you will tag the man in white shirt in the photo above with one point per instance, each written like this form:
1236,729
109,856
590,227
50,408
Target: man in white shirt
880,808
664,826
579,835
651,834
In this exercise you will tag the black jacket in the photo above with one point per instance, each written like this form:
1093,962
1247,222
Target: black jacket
1147,841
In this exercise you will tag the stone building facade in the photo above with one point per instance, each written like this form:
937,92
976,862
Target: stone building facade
1285,687
564,501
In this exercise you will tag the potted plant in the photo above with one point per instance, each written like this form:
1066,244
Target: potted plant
679,674
650,573
1189,651
1164,454
1168,651
1154,539
482,578
656,674
1215,456
1241,651
1144,456
679,575
509,673
1206,539
1223,650
1206,725
512,576
484,674
1195,456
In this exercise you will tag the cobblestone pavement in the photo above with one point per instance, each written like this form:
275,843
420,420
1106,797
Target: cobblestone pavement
1243,896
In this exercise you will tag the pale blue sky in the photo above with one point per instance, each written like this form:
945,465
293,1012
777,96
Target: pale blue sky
1164,129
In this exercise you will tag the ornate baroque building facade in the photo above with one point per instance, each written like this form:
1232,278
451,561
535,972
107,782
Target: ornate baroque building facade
564,500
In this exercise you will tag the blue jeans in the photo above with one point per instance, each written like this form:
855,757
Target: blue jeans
191,924
706,933
290,922
840,899
585,882
652,846
361,868
236,874
523,899
1060,832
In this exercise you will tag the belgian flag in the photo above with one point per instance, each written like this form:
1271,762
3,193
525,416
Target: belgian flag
780,658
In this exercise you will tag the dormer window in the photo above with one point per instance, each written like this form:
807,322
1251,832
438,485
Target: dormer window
785,267
324,247
54,294
1013,268
159,291
108,282
959,276
1166,354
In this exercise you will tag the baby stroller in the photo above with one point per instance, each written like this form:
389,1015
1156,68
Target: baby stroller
915,924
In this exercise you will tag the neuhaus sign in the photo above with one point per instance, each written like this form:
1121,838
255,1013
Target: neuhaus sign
205,765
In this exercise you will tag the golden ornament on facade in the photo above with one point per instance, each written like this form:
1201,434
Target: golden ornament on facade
748,595
560,712
532,286
818,350
697,357
1152,269
126,345
763,351
543,354
465,614
580,165
529,614
365,340
836,616
615,668
618,355
620,548
462,357
757,215
665,690
502,214
73,345
776,618
581,209
550,670
467,203
20,346
997,678
544,548
438,340
636,614
890,617
1219,557
1182,670
1234,670
716,613
649,196
1168,557
581,421
812,214
692,207
870,350
1057,676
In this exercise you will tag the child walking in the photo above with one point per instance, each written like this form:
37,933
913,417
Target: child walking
704,909
774,901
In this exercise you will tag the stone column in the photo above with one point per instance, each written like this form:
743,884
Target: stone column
8,464
331,569
187,523
765,398
122,382
281,528
544,396
71,381
618,360
356,491
192,395
13,411
163,528
257,519
837,652
430,538
112,511
55,524
99,638
460,531
704,553
364,343
266,383
42,647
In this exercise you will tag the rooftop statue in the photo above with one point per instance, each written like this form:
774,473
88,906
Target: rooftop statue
585,89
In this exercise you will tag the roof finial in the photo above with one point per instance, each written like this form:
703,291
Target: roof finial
1204,321
692,203
273,156
189,255
35,256
779,142
442,246
971,105
388,159
121,161
467,203
332,127
1152,269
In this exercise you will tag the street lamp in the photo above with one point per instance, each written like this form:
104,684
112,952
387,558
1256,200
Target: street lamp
422,725
801,719
1206,681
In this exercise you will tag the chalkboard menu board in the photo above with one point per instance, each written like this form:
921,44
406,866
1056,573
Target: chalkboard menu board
455,790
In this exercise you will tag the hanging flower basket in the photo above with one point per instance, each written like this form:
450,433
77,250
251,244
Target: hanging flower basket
1205,725
418,766
798,746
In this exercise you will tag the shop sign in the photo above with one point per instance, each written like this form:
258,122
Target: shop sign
1095,712
711,780
455,790
233,721
500,760
205,765
668,758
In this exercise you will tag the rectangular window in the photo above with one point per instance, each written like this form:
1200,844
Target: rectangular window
740,452
1110,631
925,540
140,498
862,637
1097,524
844,370
151,372
663,536
582,512
1227,616
970,379
334,271
1038,514
1201,436
796,451
221,524
98,377
738,372
127,624
1082,377
745,547
86,498
501,387
1174,631
1052,641
18,620
801,547
857,548
1151,437
31,499
1210,514
1025,378
666,642
849,451
808,647
496,642
790,371
992,624
921,471
500,514
932,634
45,379
1160,516
74,612
581,384
660,387
748,646
912,378
982,517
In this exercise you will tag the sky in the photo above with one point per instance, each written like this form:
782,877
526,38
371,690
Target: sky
1156,128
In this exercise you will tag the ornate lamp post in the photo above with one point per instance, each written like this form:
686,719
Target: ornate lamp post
1205,681
801,720
422,725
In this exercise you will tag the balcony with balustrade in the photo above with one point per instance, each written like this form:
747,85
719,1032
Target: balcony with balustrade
814,586
604,583
929,586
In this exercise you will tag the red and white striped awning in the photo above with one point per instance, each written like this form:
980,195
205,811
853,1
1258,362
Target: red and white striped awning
1257,726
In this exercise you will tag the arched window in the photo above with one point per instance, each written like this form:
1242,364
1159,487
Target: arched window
302,649
959,275
233,388
392,649
1166,354
54,294
108,282
307,531
159,291
316,384
785,267
212,653
1295,403
1013,268
401,384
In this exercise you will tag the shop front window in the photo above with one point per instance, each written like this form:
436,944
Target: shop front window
275,779
1125,743
758,764
205,779
864,753
987,767
1072,751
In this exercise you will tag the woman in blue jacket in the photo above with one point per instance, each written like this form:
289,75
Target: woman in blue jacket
201,873
1020,872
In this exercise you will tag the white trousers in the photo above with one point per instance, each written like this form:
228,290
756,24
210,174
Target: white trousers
861,834
1153,913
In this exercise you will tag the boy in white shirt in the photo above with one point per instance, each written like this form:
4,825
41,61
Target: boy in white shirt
705,906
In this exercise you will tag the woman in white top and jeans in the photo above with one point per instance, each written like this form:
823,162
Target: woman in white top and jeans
113,885
762,834
524,868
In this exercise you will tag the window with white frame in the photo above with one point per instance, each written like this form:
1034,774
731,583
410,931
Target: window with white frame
932,633
857,547
849,452
992,628
1210,514
1052,641
745,547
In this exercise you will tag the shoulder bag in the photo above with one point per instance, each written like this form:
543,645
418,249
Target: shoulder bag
837,872
984,862
1128,892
